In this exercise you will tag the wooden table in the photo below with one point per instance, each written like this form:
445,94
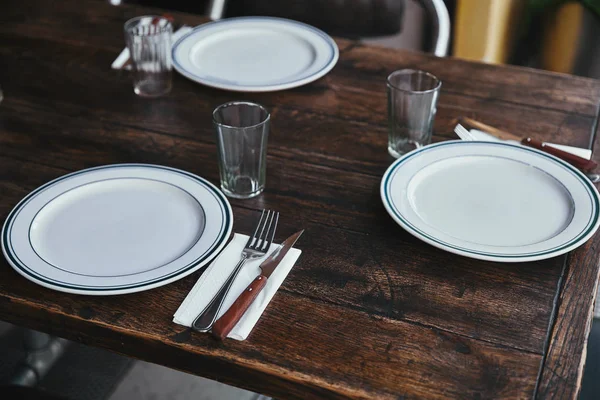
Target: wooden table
368,311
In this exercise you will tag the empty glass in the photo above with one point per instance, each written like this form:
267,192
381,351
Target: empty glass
149,41
242,131
412,98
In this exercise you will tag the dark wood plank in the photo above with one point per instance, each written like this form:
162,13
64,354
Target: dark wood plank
397,276
419,362
562,371
378,315
89,23
512,84
68,22
318,348
346,129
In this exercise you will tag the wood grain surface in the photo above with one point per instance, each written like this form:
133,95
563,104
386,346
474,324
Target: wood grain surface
368,311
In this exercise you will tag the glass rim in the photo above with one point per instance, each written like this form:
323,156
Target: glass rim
406,71
237,103
162,29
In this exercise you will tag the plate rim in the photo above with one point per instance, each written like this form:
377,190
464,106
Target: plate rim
134,287
565,248
258,88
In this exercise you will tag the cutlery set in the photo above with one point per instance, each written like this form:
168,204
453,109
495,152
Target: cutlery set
581,163
257,247
225,324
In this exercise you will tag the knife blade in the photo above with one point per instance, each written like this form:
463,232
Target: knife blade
225,324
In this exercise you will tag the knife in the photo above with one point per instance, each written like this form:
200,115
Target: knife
225,324
579,162
575,160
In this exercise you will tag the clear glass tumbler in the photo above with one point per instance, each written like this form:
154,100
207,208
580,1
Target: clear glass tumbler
412,99
149,41
242,130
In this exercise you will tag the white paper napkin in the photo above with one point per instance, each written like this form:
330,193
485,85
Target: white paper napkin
124,56
217,273
584,153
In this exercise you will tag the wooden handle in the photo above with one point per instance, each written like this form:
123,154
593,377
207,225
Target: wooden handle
499,133
225,324
579,162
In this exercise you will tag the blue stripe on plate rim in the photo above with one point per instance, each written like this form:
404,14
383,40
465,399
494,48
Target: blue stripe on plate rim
106,180
224,232
385,192
208,79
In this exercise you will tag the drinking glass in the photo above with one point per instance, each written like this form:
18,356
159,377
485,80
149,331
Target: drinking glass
149,41
242,130
412,98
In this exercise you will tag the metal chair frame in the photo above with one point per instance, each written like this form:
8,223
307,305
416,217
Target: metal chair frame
436,9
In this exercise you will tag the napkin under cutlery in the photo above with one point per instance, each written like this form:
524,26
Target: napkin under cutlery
584,153
124,56
217,273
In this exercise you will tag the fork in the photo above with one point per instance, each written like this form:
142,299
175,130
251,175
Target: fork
256,247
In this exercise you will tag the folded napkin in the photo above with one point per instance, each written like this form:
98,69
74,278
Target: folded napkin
217,273
124,56
584,153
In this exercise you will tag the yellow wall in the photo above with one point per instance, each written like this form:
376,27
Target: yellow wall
561,34
485,30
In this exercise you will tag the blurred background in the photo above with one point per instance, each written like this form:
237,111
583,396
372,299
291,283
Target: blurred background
554,35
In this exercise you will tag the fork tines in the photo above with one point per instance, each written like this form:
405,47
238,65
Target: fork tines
263,236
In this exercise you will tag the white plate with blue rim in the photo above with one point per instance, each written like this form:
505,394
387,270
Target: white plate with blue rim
116,229
491,201
254,54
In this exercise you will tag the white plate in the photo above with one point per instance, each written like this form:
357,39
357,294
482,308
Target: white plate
254,54
116,229
491,201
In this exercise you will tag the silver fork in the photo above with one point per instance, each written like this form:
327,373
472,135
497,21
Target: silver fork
463,133
256,247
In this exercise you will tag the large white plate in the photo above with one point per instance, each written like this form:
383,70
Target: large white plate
491,201
254,54
116,229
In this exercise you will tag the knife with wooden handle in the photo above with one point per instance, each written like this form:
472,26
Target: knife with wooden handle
225,324
579,162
